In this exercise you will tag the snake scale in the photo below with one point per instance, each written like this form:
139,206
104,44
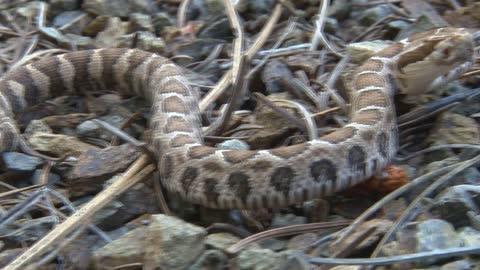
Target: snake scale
247,179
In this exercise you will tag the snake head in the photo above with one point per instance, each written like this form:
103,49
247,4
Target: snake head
432,59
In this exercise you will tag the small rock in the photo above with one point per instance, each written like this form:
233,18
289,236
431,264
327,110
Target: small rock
72,22
76,41
435,234
219,29
112,35
261,7
296,260
58,6
220,241
452,128
128,249
97,165
172,243
97,25
233,145
287,220
455,202
140,22
275,76
119,8
13,161
211,260
149,42
469,236
88,129
259,259
161,20
459,265
340,9
36,126
302,241
316,210
372,15
58,145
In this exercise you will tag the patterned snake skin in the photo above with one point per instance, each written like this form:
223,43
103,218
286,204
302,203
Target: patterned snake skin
247,179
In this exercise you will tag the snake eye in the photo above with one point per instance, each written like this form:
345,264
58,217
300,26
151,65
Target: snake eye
446,52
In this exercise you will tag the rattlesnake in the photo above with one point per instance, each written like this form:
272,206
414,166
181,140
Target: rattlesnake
247,179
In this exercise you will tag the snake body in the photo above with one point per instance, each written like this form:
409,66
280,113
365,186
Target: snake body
245,179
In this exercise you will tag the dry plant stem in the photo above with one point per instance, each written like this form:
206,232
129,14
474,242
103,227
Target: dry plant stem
20,208
285,231
20,190
319,35
162,203
406,214
327,111
389,198
439,147
375,3
237,68
181,13
226,79
37,54
135,174
437,254
238,42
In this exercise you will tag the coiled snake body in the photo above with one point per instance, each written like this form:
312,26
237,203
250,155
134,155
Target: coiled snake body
247,179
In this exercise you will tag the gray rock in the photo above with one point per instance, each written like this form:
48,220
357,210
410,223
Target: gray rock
302,241
233,145
161,20
14,161
455,202
119,8
149,42
260,7
219,29
275,76
72,22
451,128
37,126
112,35
172,243
76,41
220,241
88,129
372,15
469,236
459,265
296,260
259,259
58,6
211,260
282,220
435,234
129,248
140,22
